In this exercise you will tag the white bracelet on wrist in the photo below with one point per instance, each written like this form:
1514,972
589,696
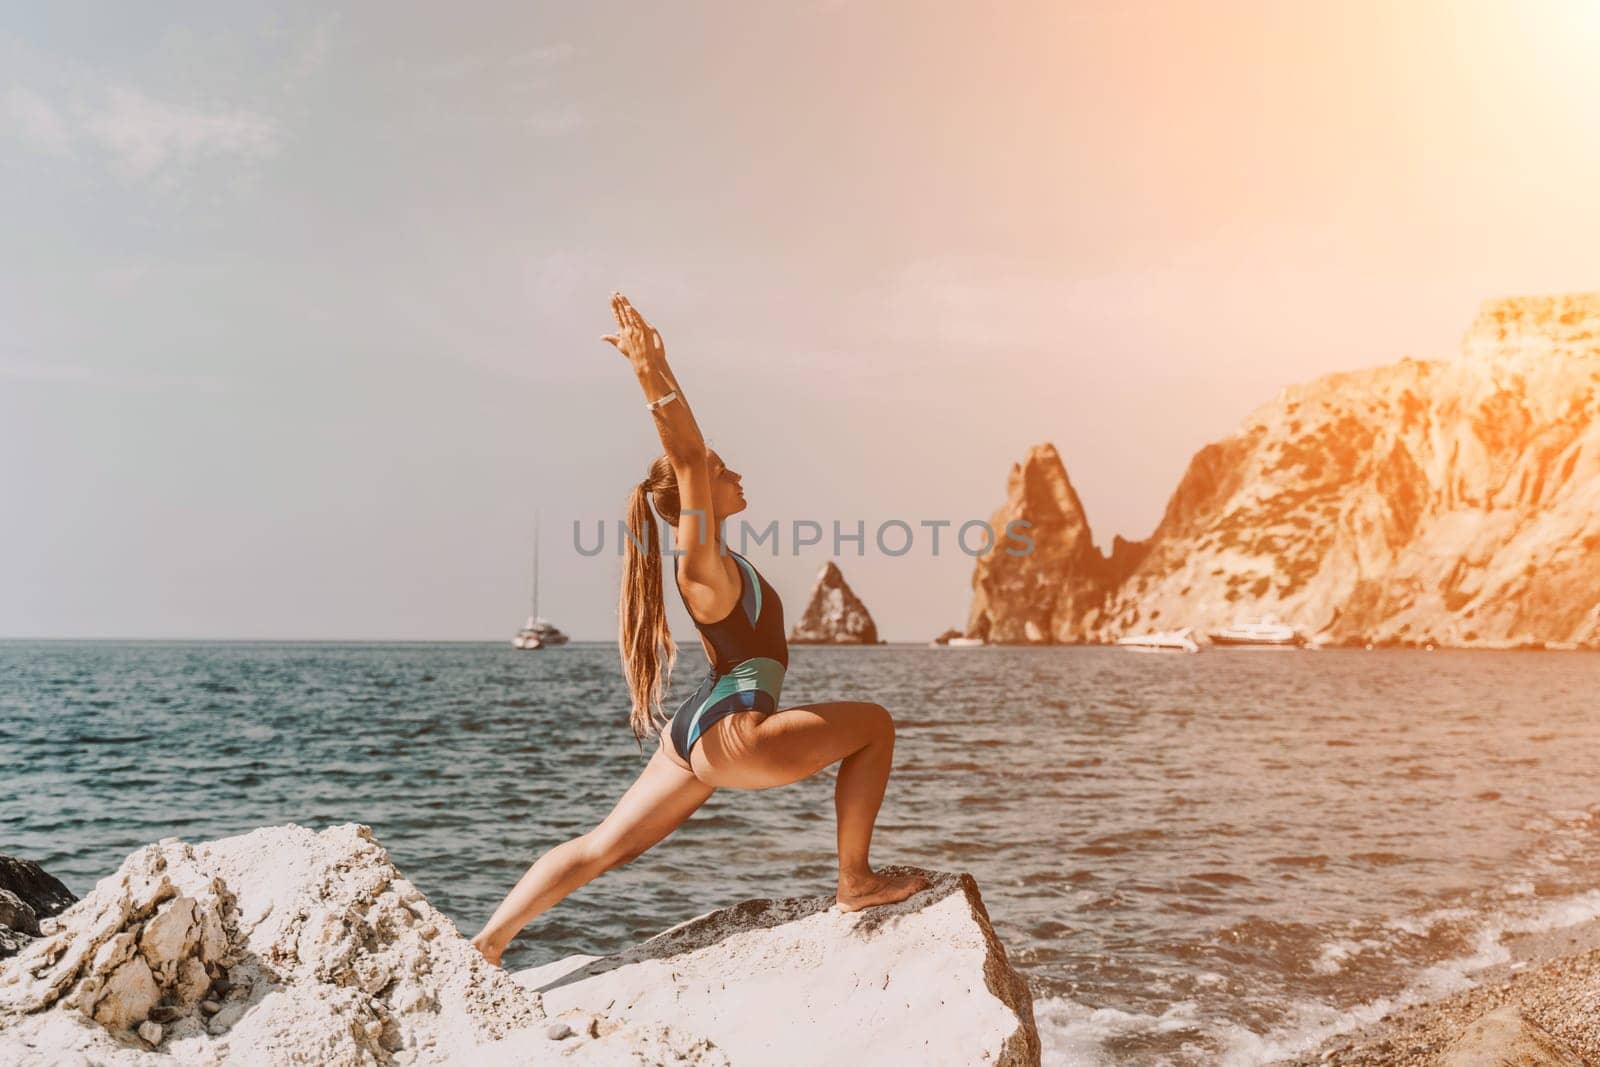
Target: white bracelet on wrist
654,404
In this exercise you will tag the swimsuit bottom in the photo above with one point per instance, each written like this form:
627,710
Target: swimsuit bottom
750,685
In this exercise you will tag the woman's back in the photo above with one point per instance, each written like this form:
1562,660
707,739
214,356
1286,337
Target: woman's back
752,630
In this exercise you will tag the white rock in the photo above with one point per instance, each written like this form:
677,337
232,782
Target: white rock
311,980
127,996
319,969
798,982
168,936
226,1016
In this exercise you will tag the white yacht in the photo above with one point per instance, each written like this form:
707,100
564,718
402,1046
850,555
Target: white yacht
1265,633
1161,641
537,632
953,638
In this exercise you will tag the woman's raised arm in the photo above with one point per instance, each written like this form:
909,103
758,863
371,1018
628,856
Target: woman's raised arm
680,438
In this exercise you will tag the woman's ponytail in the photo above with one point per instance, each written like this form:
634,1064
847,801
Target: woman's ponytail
648,651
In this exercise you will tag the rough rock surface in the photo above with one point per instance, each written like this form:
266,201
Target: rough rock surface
797,982
1453,502
1507,1038
287,946
278,946
834,615
27,896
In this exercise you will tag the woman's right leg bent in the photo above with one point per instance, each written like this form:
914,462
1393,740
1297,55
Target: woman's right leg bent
751,751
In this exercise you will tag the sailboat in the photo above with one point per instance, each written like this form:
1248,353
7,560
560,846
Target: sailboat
537,633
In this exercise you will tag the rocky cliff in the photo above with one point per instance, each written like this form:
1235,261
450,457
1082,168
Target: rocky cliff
289,946
1454,502
834,615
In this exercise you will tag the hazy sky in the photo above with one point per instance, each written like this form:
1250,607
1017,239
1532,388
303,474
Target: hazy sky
300,307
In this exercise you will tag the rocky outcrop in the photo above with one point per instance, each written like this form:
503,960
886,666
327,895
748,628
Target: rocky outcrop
1454,502
27,896
1051,592
834,615
278,946
796,982
289,946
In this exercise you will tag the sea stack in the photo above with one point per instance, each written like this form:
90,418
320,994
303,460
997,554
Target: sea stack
834,615
1451,502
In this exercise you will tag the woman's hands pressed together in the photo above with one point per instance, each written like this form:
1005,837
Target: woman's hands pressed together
635,338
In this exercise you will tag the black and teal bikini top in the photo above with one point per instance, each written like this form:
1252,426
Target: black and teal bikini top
753,630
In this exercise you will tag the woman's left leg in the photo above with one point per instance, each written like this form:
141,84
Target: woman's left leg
664,795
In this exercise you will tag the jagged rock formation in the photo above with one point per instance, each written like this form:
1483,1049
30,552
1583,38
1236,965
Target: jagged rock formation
834,615
27,896
289,946
1453,502
795,982
278,946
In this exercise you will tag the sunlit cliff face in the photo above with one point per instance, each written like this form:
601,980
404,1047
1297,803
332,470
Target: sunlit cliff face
1453,501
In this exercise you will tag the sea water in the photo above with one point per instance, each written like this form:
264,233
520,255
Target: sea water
1194,859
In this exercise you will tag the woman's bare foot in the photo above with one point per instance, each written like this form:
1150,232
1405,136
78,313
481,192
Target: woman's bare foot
870,890
490,953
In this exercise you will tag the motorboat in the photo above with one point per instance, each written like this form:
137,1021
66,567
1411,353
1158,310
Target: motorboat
953,638
1264,633
1161,641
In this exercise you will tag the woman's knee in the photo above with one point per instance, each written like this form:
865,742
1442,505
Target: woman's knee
604,851
880,721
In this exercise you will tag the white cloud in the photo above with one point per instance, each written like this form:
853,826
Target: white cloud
144,135
40,124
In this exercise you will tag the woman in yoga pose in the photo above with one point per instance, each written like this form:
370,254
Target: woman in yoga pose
730,732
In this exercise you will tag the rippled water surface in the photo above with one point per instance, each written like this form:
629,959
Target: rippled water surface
1194,859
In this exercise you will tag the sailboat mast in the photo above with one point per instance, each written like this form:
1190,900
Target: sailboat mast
536,565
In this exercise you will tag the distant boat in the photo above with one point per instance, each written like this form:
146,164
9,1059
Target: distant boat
537,633
953,639
1267,633
1161,641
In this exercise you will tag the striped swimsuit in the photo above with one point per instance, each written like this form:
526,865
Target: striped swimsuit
751,658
